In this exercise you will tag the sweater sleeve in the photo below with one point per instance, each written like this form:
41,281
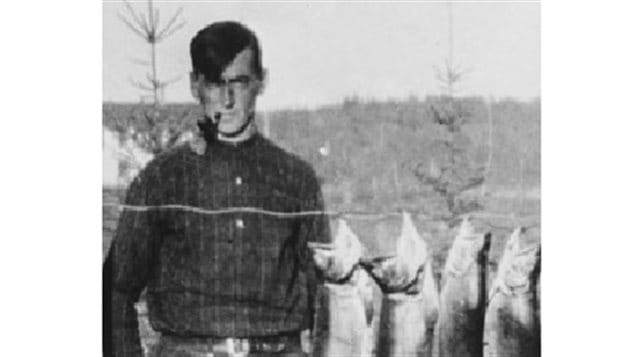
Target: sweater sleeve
313,228
126,270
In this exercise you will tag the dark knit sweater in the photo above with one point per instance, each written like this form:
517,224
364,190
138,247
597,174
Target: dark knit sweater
229,274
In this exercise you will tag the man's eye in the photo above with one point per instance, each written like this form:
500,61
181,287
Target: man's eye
213,84
240,80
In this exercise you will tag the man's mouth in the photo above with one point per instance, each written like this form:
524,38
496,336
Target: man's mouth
218,116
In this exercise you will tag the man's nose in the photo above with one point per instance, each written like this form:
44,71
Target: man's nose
229,98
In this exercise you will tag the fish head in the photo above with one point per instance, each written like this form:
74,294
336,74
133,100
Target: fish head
519,273
516,273
401,272
337,260
464,253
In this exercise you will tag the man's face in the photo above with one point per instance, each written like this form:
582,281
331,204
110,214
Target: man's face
233,99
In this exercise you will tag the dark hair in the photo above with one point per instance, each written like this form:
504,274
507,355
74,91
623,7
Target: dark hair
215,47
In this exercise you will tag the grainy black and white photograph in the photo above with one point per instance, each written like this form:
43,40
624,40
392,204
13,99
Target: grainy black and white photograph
321,178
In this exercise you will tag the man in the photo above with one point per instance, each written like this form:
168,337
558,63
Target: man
223,271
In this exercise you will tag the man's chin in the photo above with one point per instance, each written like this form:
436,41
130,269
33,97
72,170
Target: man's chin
228,129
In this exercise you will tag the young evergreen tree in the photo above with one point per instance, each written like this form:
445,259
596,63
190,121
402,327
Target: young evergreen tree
159,132
455,173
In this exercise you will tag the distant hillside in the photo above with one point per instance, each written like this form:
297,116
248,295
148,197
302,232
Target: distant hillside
369,148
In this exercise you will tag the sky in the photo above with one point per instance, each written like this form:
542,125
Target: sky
319,53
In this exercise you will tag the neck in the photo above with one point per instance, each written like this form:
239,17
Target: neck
246,134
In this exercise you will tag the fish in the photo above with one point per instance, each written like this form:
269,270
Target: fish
459,330
410,299
512,320
344,299
336,261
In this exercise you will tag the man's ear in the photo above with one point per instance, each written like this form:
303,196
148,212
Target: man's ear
264,81
194,86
